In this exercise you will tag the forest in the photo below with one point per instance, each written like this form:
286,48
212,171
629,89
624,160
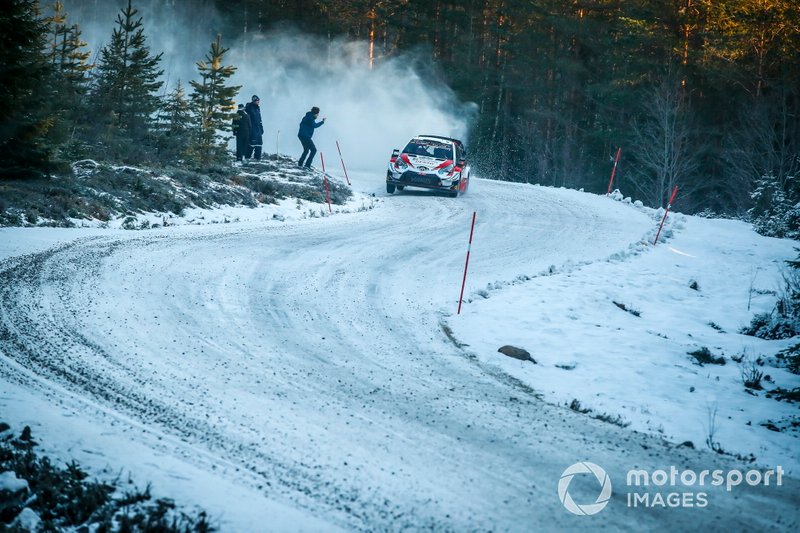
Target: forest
700,94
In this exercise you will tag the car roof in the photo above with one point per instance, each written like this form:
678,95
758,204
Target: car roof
438,138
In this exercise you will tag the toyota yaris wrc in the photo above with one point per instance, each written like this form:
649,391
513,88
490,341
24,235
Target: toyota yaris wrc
429,162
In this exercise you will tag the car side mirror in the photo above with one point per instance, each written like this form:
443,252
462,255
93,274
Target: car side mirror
395,152
462,163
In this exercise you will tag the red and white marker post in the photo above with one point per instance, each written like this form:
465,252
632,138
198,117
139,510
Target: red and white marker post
343,167
664,218
325,181
614,171
464,281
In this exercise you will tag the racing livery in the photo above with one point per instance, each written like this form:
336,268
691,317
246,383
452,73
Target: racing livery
429,162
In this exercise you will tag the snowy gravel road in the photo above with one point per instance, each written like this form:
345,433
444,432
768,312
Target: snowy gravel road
309,361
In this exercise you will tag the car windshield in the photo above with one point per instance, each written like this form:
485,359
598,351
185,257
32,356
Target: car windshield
429,149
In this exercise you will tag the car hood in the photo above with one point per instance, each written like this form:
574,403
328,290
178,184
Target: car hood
425,163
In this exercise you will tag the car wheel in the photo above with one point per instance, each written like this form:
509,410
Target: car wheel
389,187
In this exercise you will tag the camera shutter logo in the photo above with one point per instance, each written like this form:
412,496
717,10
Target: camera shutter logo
591,508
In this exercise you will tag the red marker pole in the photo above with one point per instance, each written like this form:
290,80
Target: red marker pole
342,159
669,204
325,181
614,170
464,281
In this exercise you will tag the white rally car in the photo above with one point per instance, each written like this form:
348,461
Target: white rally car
429,162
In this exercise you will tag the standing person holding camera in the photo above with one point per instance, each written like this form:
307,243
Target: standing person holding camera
307,127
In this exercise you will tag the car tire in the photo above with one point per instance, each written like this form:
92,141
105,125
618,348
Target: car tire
390,187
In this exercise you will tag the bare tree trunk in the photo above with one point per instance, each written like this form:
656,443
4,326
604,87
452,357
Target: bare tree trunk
664,144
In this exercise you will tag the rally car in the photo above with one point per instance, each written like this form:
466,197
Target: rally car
429,162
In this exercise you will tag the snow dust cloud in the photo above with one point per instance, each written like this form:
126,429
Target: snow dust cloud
369,111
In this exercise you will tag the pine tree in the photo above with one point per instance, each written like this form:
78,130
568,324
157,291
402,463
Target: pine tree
776,207
57,24
66,50
125,92
73,58
25,91
174,125
67,54
213,105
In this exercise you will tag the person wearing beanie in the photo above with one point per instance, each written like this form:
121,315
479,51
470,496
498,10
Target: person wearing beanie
253,110
307,127
241,129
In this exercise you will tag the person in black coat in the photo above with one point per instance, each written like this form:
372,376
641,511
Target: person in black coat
241,129
307,127
253,109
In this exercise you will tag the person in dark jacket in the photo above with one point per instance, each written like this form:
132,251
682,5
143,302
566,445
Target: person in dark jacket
241,129
307,127
253,109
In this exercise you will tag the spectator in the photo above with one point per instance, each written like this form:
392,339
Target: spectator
253,109
307,127
241,129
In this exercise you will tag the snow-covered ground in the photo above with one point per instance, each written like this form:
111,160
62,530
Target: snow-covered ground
291,372
638,367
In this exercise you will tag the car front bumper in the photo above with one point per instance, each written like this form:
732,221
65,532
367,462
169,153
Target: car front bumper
425,180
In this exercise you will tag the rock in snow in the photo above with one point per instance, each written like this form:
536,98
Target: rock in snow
516,353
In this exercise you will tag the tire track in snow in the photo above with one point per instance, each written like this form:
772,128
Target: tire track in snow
310,356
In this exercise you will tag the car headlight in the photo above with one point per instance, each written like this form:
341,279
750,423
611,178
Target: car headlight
400,164
446,170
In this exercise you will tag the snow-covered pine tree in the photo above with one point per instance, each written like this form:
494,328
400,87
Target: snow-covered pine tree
124,95
776,209
213,105
26,91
